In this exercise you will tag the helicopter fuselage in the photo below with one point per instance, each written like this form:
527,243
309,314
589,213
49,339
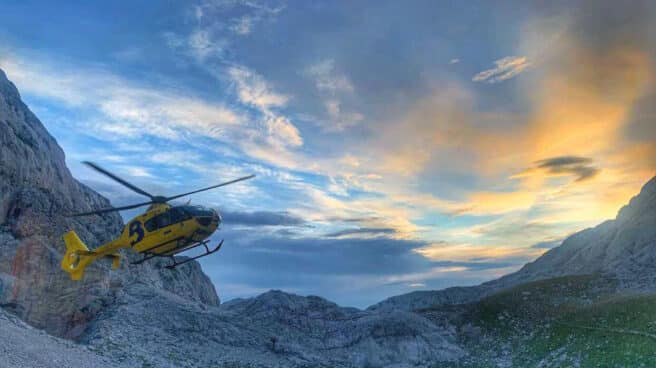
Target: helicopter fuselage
162,231
165,229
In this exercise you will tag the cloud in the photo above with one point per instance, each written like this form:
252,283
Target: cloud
367,231
548,244
334,87
202,46
120,107
580,167
136,171
506,68
243,26
253,90
443,251
326,78
337,268
215,25
261,218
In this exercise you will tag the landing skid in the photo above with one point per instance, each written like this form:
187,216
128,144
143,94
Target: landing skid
171,254
207,253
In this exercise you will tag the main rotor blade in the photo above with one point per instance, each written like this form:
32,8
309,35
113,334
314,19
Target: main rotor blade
116,178
111,209
212,187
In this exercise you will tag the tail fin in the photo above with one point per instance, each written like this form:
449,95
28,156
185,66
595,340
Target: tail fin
77,256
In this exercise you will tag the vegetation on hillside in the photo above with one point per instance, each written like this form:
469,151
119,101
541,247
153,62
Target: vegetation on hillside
572,321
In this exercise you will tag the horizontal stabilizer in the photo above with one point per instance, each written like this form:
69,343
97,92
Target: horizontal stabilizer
77,256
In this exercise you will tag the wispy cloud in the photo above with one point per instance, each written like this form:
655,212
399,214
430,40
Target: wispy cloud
326,78
333,87
215,24
362,232
505,68
121,107
253,90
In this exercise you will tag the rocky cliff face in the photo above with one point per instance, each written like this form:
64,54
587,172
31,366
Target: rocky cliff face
36,191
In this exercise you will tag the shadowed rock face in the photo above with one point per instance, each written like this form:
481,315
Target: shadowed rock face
36,191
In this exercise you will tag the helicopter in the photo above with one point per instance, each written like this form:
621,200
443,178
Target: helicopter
163,230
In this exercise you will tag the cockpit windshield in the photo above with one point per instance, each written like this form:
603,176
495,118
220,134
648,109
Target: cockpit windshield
197,211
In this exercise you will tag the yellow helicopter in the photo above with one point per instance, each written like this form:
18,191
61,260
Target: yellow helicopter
162,231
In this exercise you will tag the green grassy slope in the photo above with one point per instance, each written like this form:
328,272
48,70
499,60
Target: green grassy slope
573,321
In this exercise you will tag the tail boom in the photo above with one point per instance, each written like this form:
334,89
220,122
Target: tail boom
78,256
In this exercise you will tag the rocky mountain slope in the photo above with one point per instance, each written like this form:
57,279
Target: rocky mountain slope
624,248
24,346
275,329
36,191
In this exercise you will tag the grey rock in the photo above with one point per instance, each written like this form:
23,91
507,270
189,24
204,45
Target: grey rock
23,346
275,329
418,300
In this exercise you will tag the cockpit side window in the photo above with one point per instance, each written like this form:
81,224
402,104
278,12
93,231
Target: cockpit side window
163,220
151,225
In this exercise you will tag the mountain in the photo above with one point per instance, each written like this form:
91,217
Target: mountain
624,248
275,329
36,191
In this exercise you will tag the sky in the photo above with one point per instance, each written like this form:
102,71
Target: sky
398,146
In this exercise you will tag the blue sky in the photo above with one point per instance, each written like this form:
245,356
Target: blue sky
397,147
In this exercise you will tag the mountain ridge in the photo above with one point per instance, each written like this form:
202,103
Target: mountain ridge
635,224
